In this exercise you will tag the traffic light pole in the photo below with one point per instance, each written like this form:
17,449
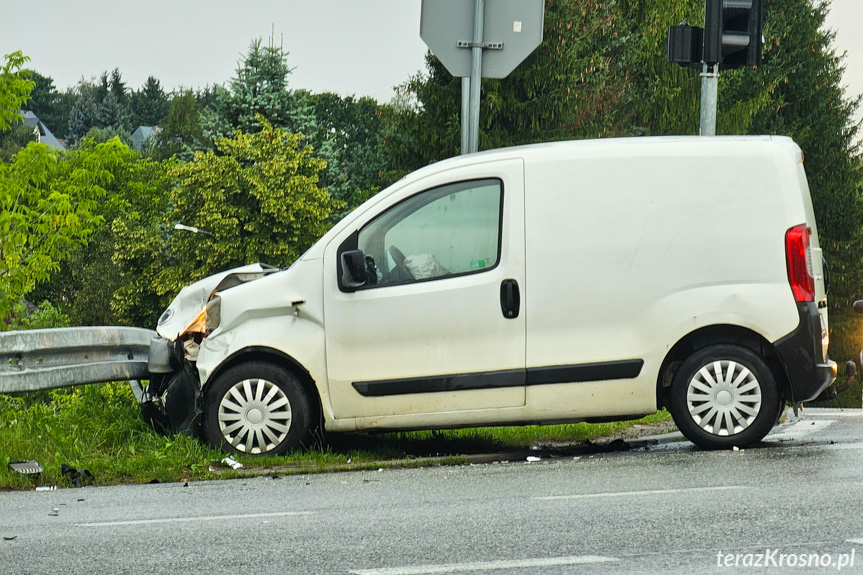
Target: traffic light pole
709,98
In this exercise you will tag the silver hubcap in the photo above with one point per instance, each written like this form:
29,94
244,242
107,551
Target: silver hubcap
254,416
724,398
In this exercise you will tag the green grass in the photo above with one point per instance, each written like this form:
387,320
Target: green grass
99,428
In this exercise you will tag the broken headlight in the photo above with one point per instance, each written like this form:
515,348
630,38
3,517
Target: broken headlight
207,320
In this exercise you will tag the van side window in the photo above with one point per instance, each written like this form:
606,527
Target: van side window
442,232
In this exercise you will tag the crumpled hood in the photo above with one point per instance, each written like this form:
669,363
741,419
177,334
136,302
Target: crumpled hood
192,298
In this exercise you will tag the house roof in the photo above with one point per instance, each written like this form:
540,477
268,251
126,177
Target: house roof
142,133
44,134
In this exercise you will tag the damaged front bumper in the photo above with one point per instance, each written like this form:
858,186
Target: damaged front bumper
171,402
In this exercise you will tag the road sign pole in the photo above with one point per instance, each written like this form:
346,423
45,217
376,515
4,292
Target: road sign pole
475,39
476,75
709,98
465,114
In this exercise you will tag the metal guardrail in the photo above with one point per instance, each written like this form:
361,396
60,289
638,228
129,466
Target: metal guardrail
51,358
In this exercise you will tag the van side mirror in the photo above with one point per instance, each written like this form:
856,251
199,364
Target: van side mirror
353,269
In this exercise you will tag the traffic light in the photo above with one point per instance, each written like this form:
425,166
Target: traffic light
732,32
685,44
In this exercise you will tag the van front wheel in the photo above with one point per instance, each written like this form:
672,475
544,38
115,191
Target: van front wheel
724,396
257,408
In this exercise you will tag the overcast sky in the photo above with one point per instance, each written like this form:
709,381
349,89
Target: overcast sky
361,47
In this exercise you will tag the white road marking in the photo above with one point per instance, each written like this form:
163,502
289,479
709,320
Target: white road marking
486,565
189,519
637,493
802,429
854,541
833,413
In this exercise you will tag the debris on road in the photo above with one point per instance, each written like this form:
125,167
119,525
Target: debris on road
25,467
232,463
77,477
619,445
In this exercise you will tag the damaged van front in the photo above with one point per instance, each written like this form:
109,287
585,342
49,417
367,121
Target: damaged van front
172,399
233,359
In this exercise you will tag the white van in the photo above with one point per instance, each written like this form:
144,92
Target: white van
561,282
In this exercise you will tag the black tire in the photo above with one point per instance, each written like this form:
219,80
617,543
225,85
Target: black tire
724,396
258,408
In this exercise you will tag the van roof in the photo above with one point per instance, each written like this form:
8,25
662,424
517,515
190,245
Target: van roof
719,143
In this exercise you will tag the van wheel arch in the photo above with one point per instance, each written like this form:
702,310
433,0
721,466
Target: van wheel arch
717,335
274,356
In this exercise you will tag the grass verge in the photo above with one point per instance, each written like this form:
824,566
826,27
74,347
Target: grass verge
98,428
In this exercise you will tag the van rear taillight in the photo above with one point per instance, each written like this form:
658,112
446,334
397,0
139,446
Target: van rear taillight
797,261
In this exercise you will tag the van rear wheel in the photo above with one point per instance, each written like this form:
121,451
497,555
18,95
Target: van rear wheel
257,408
724,396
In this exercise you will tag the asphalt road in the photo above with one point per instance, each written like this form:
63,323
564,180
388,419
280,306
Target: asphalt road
669,508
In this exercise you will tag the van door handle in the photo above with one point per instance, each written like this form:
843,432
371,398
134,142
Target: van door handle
510,300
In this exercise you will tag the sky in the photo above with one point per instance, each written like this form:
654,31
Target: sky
351,47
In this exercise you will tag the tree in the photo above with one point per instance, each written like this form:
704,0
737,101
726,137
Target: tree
83,117
15,138
104,135
15,88
258,193
52,107
104,104
348,135
43,99
261,88
117,86
113,113
150,104
47,210
88,277
181,132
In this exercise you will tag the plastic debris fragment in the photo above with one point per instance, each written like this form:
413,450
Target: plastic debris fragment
25,467
76,476
232,463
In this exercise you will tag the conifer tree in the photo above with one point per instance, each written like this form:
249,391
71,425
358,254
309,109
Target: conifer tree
150,104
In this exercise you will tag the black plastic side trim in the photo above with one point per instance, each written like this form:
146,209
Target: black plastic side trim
627,369
461,382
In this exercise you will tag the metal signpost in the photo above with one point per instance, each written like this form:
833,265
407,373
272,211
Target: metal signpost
477,39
